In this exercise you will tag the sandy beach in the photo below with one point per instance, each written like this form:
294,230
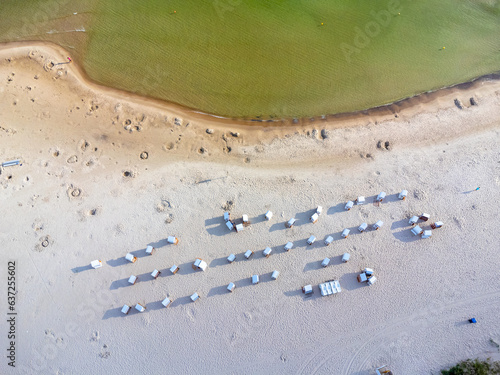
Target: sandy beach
105,173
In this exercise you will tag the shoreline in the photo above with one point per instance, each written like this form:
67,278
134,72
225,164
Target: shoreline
407,107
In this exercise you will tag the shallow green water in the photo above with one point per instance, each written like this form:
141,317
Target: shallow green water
274,58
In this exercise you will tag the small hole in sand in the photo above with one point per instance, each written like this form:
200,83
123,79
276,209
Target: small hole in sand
128,122
127,174
144,155
9,177
56,154
95,149
202,150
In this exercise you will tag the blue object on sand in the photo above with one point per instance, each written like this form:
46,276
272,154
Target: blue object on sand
11,163
473,320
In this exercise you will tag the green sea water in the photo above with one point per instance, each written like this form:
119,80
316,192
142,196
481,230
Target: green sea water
272,58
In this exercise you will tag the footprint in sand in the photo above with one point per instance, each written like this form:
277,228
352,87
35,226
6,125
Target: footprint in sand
83,145
72,159
74,192
43,243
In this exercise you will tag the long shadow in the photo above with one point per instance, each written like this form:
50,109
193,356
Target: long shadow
304,217
158,244
81,268
280,226
155,306
117,284
401,224
257,219
313,266
391,198
247,281
306,297
216,226
336,209
115,313
184,269
221,261
181,301
266,277
349,281
122,261
405,235
218,290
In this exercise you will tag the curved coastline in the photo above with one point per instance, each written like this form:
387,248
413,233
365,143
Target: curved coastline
408,106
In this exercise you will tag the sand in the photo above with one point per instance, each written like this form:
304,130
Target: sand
84,191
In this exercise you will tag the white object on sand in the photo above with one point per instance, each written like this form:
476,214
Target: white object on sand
125,309
368,271
349,205
360,200
437,224
378,224
11,163
345,233
248,254
267,252
166,302
330,287
413,220
290,223
319,210
328,240
174,269
246,221
325,262
173,240
230,287
255,279
130,258
239,227
424,217
371,280
426,234
416,230
308,289
155,274
288,246
229,225
275,275
96,263
403,195
149,250
200,264
363,227
140,307
194,297
346,257
132,279
227,216
362,277
231,258
381,197
314,218
269,215
311,240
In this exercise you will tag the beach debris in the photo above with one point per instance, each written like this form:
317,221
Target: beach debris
362,227
328,240
255,279
194,297
130,257
384,367
349,205
311,240
403,195
210,131
149,250
231,258
96,264
472,320
314,218
290,223
437,224
132,279
11,163
325,262
288,246
472,101
166,302
319,210
227,216
426,234
174,269
268,215
424,217
346,257
324,133
248,254
235,134
125,309
155,274
381,197
275,275
416,230
458,103
329,287
267,252
307,289
246,221
239,227
229,225
172,240
360,200
378,224
231,287
413,220
199,264
345,233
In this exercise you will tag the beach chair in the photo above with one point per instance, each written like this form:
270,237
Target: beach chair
140,307
416,230
227,216
194,297
362,227
346,257
199,264
328,240
231,287
345,233
125,309
269,215
239,227
173,240
314,218
311,240
403,195
368,271
362,277
246,220
371,280
319,210
248,254
307,289
267,252
329,288
155,274
360,200
426,234
231,258
255,279
349,205
166,302
132,279
325,262
275,275
174,269
424,217
437,224
288,246
381,197
290,223
96,264
131,258
378,224
149,250
413,220
229,225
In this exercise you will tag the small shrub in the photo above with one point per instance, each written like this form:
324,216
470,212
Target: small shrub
474,367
